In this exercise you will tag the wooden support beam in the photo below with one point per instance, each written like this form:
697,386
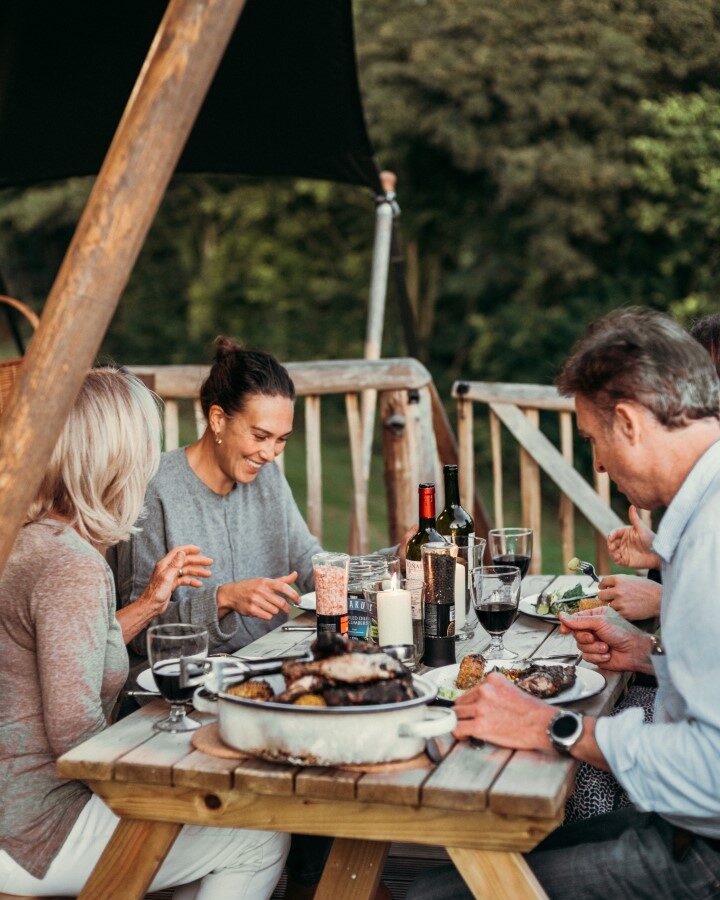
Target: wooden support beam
162,108
567,510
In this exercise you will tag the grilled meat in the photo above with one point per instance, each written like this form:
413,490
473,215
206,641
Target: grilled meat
351,668
547,681
346,673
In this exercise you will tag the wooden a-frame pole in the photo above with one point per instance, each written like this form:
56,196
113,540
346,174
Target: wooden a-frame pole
162,108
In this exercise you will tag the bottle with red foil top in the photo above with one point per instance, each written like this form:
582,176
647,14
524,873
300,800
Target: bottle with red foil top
413,554
331,591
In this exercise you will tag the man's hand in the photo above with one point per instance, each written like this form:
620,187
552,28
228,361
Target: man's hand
262,598
634,598
608,641
631,546
499,712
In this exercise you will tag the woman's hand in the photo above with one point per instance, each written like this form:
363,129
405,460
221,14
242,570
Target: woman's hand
183,565
609,641
262,598
634,598
631,546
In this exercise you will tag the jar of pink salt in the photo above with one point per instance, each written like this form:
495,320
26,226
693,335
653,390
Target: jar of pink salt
331,590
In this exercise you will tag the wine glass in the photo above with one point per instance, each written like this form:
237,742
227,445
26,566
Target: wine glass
167,645
496,596
511,547
469,557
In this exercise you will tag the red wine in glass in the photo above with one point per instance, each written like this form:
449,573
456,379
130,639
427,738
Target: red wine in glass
167,679
496,618
513,559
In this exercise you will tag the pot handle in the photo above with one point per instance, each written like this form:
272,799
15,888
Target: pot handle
440,722
202,702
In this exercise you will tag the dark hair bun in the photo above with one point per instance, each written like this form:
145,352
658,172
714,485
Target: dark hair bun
237,374
225,347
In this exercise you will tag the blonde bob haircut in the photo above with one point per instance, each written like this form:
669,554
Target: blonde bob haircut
107,453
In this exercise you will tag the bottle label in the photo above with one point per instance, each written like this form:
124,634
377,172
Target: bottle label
414,577
439,620
333,624
360,619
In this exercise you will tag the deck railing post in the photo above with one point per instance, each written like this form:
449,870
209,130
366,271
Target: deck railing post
400,459
162,108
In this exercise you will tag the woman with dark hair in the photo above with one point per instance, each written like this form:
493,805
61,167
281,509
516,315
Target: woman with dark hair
223,494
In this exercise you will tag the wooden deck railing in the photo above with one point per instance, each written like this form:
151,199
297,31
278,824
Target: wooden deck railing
517,407
410,421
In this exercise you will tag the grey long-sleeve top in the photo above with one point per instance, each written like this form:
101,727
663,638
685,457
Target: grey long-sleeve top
62,663
254,531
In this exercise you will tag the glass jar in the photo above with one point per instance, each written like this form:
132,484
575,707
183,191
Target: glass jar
362,612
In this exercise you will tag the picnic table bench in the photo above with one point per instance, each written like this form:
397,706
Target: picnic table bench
486,805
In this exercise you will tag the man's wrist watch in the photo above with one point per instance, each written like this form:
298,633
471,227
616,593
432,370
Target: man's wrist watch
565,730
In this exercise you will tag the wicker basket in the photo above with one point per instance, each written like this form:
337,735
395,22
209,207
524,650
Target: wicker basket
9,368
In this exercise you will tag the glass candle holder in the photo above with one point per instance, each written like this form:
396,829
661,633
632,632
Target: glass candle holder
331,590
392,602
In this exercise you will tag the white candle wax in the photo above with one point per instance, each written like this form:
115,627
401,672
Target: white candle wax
394,614
459,597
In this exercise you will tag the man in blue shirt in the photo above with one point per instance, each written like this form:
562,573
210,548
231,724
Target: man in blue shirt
647,399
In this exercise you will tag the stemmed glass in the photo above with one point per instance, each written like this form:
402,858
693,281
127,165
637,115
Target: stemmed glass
167,645
511,547
496,596
468,558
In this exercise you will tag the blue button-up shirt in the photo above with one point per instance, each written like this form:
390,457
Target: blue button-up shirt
672,766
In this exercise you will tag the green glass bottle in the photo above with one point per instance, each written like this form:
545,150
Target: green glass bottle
427,531
458,527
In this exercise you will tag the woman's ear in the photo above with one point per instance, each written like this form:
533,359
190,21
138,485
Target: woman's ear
216,420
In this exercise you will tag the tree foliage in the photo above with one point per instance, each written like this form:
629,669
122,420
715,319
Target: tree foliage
555,159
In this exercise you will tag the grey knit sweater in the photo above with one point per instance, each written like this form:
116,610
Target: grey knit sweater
254,531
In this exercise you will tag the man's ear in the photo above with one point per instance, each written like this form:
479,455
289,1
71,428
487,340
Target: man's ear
628,421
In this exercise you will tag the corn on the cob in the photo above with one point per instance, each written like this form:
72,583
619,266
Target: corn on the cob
590,603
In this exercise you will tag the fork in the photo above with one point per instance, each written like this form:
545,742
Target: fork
587,569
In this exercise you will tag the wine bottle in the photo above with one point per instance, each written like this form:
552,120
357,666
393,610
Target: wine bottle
454,522
413,560
427,531
457,526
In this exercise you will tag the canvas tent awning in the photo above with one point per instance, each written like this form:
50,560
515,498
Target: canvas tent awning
285,99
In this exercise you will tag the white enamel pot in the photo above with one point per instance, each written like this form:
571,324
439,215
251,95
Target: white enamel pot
326,736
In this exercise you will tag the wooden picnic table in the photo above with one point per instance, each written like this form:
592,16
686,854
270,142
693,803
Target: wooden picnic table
485,805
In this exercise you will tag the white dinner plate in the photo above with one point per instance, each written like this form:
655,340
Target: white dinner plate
307,601
528,606
146,682
587,683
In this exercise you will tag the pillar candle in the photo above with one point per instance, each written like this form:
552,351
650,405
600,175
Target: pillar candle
460,588
394,616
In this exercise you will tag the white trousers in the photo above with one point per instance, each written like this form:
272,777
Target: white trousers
209,863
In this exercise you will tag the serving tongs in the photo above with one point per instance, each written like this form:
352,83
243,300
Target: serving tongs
215,674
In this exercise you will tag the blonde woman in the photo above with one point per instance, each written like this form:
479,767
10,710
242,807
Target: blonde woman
63,661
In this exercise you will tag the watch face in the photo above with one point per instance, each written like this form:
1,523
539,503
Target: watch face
565,726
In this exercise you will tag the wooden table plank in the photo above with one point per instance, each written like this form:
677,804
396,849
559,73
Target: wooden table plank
323,783
337,818
95,758
263,777
352,870
491,874
400,787
130,861
201,770
463,778
153,760
533,784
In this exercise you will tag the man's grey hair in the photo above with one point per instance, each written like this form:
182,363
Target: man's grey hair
646,357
